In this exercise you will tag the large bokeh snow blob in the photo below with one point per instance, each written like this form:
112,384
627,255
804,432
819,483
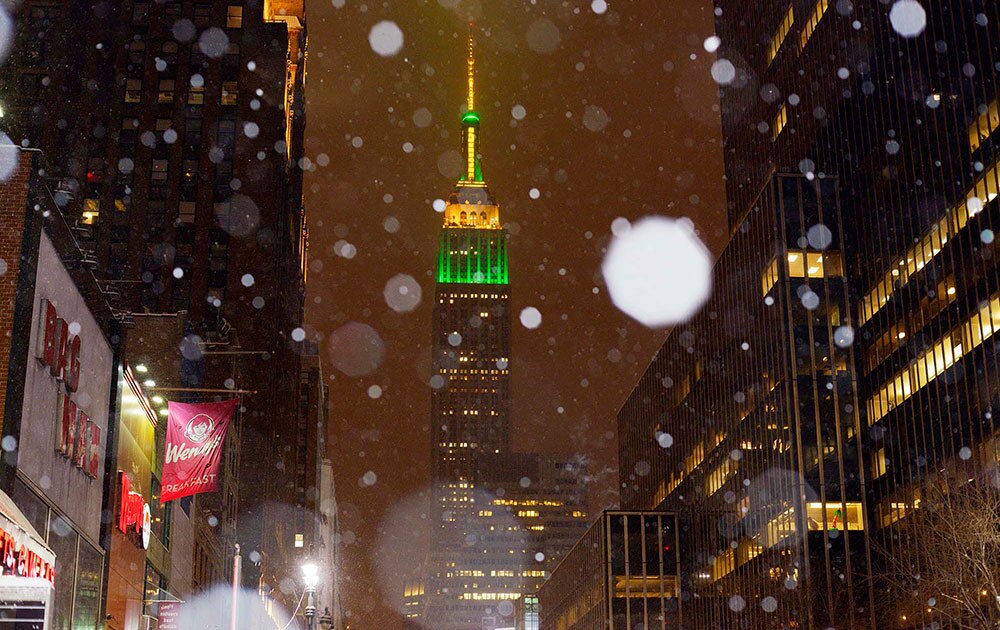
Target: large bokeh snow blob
659,272
356,349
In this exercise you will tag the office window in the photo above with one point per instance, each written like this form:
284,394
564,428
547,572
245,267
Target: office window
185,212
166,92
817,14
229,93
162,124
984,125
91,212
780,34
780,120
133,91
160,170
830,516
234,17
879,463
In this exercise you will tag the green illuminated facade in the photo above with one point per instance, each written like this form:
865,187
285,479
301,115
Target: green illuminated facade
472,256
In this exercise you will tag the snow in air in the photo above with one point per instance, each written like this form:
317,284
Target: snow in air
908,18
386,38
658,272
531,318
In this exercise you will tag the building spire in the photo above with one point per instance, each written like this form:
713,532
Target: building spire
471,97
470,122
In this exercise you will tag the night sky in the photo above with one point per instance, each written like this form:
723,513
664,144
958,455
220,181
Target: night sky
619,121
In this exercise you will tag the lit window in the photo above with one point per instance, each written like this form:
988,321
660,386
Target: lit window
818,11
91,212
166,94
830,516
878,463
935,360
300,540
234,17
779,36
779,122
229,93
133,91
196,95
984,126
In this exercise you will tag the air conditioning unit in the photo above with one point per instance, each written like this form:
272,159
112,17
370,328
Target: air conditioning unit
149,623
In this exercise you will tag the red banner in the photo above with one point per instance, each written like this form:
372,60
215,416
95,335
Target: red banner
195,434
169,613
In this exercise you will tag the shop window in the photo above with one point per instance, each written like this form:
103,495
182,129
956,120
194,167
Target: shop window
133,91
829,516
234,17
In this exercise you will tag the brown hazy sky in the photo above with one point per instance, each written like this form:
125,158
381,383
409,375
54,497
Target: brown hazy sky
658,154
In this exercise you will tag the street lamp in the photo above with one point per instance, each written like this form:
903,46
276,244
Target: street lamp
310,577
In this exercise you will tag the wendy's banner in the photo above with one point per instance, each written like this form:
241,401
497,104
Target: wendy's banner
195,434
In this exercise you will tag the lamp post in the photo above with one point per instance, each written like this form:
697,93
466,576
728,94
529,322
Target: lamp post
326,620
310,577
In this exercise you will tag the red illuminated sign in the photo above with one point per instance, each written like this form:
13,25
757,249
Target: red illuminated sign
18,559
133,511
77,437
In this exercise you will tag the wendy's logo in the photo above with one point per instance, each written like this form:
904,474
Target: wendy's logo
199,428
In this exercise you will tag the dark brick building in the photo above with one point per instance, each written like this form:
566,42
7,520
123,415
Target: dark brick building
172,134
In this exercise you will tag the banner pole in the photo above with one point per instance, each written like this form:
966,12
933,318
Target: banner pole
237,564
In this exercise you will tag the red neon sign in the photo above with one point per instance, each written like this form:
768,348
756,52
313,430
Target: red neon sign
133,511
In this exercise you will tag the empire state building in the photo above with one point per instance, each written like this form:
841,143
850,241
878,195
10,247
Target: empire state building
470,425
500,520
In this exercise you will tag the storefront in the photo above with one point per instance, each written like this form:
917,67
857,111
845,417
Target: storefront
132,534
27,570
65,408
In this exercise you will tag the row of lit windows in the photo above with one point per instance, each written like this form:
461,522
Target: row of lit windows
491,596
917,257
527,502
930,305
166,88
819,517
803,264
807,30
984,126
936,359
779,36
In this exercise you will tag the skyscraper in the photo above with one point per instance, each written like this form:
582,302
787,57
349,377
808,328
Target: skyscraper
470,409
500,519
804,433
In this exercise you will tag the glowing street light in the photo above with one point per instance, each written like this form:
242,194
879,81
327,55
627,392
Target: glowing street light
310,577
